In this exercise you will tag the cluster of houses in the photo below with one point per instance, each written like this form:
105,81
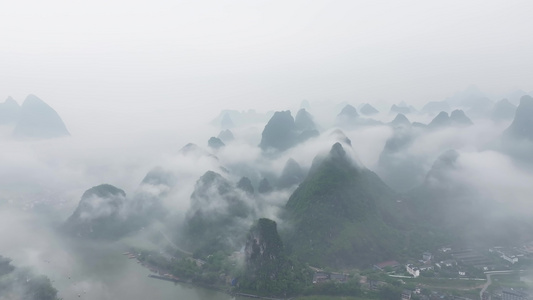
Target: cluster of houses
461,260
446,263
510,255
461,263
425,264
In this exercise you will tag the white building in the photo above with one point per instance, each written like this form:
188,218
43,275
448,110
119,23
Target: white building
412,270
509,257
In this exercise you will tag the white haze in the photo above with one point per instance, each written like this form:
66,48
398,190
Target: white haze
159,61
136,81
55,173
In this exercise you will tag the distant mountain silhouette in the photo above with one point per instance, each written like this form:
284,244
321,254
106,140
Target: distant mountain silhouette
349,112
159,176
228,119
440,194
469,97
246,185
340,136
9,111
503,110
400,120
349,118
264,186
435,107
38,120
457,118
522,126
193,150
455,211
304,120
226,136
515,96
368,110
292,174
226,122
395,109
400,169
441,120
305,104
281,132
215,143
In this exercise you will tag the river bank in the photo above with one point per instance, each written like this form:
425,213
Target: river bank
164,275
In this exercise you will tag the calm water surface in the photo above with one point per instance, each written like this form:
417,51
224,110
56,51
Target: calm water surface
104,273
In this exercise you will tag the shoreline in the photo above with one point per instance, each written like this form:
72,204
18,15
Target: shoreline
164,275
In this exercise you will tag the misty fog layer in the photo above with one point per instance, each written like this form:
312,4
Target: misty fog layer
173,127
161,184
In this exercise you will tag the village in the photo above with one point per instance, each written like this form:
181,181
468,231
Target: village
459,273
446,273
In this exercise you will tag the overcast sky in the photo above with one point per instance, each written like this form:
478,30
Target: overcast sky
172,59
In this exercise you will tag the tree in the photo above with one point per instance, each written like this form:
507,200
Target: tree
389,292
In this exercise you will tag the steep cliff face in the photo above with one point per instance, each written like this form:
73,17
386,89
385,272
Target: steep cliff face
264,249
268,270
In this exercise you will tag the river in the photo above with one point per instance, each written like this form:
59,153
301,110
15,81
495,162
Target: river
78,269
102,272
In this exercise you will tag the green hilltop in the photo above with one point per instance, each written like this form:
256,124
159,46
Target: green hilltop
342,214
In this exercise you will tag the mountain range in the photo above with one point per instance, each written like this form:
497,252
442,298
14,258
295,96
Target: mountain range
33,120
